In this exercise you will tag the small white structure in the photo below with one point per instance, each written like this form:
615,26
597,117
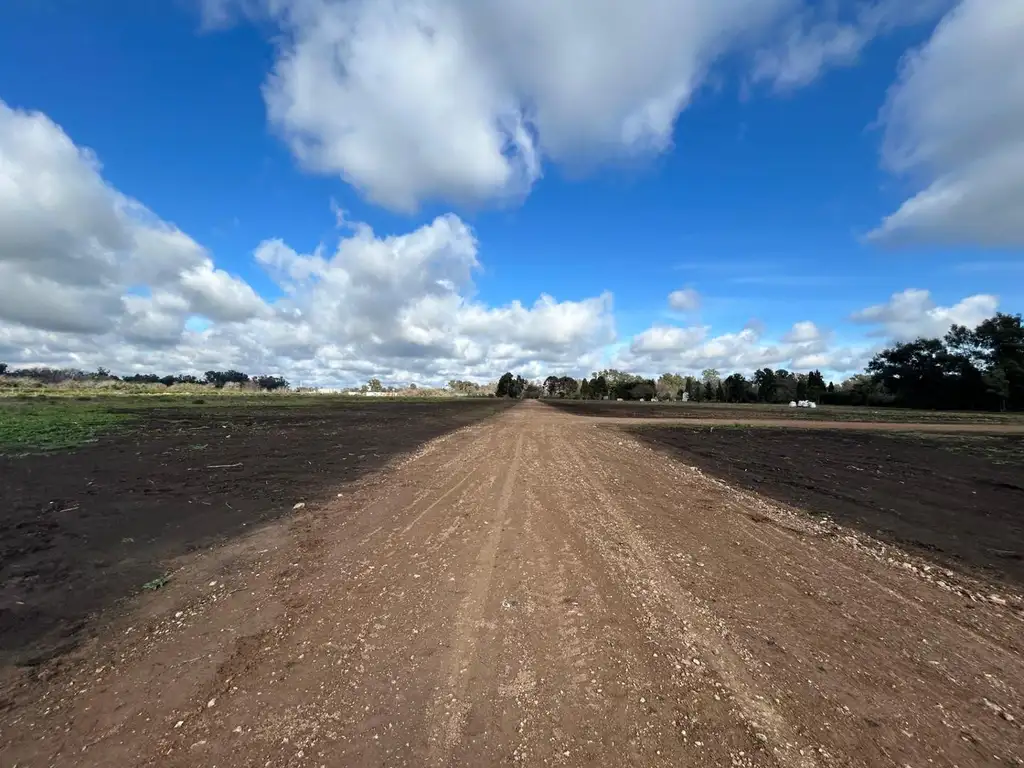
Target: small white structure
803,404
792,403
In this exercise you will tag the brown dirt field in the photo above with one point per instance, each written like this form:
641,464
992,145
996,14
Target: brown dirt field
80,531
540,589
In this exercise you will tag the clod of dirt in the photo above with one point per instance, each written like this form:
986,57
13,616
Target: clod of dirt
298,506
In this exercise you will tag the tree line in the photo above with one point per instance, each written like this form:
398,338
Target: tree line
216,379
979,368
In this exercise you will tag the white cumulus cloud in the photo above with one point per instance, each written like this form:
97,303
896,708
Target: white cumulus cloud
955,127
684,300
72,248
90,277
913,313
461,100
464,100
690,349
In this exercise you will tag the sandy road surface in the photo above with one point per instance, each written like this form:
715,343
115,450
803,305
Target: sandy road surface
544,590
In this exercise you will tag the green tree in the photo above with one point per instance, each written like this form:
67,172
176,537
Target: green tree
801,387
585,389
997,384
997,343
645,389
374,385
505,386
764,380
220,378
785,386
736,388
271,383
615,378
815,385
566,386
710,376
917,373
668,386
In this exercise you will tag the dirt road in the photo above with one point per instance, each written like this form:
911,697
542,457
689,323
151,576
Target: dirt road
542,589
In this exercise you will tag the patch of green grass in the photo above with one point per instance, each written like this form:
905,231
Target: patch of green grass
41,425
158,583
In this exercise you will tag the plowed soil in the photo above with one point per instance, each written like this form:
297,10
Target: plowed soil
540,589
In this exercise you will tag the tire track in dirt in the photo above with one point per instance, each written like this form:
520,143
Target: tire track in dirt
672,610
611,687
837,641
776,533
449,710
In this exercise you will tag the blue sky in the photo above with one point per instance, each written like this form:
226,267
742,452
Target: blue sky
759,170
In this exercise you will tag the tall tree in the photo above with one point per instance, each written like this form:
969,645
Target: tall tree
565,386
801,387
710,376
669,385
815,385
785,386
764,380
998,350
689,388
735,388
917,373
505,385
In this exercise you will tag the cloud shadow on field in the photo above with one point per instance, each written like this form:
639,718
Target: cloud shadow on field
80,531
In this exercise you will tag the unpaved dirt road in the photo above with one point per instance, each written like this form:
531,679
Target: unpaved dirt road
541,589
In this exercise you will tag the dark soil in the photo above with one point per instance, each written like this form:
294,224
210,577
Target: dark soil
79,531
760,411
956,499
